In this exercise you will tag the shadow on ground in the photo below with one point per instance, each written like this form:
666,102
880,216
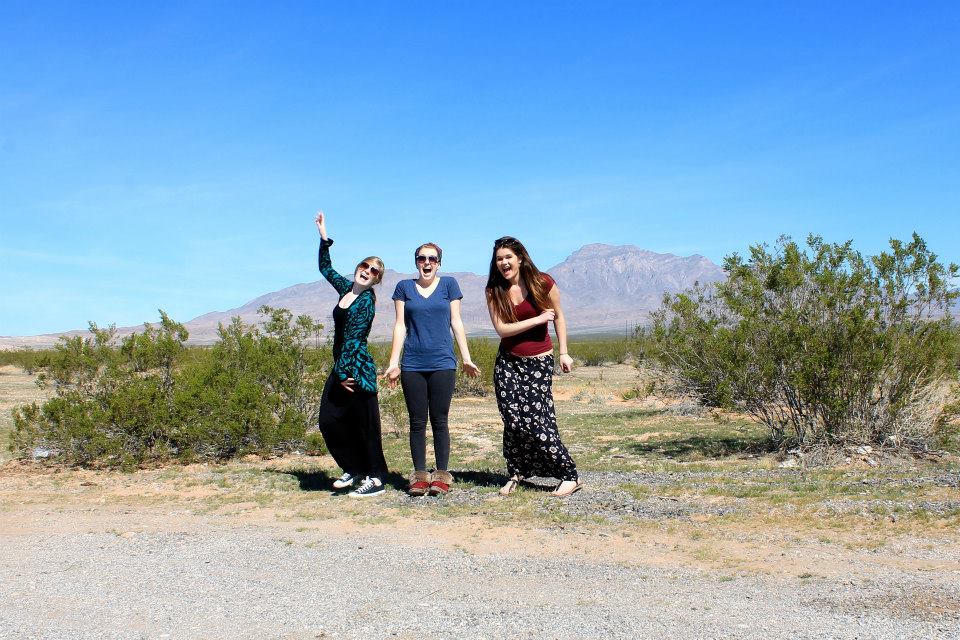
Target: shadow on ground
706,446
323,481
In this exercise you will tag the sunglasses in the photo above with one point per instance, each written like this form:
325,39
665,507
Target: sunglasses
430,259
366,266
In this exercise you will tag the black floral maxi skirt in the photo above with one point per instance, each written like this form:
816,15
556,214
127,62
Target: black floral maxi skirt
531,439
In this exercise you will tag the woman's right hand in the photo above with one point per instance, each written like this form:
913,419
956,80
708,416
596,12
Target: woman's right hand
321,222
548,315
391,375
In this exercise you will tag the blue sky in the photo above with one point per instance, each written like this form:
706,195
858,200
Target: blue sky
171,155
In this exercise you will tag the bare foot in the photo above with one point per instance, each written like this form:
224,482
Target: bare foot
510,487
567,488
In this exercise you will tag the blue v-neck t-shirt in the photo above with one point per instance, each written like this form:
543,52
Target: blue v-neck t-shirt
429,342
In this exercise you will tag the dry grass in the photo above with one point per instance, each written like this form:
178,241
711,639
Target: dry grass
719,461
16,388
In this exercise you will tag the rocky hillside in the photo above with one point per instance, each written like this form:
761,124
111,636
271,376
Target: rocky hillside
604,287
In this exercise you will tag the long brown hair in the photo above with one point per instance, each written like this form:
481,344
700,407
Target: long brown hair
498,287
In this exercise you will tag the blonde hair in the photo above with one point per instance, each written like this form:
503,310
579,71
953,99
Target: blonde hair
379,265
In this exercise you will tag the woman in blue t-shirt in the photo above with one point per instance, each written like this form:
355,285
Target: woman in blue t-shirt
428,307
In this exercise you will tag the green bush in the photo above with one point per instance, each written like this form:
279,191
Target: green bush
598,352
256,391
483,352
150,398
822,345
111,405
29,360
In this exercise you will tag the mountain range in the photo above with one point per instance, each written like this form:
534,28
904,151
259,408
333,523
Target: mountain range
604,289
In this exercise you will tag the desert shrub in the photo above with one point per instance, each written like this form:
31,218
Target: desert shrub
380,351
30,360
598,352
256,390
149,398
393,409
314,444
483,351
822,345
112,404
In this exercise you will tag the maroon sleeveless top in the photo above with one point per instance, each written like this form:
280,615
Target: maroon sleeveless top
532,341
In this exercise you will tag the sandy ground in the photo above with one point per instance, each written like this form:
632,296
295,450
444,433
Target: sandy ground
191,552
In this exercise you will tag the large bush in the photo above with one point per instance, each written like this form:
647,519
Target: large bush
821,344
149,398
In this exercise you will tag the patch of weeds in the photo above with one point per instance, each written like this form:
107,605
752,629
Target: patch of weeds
636,491
633,393
865,544
704,553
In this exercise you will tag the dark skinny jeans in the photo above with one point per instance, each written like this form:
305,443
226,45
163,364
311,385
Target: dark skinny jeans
428,393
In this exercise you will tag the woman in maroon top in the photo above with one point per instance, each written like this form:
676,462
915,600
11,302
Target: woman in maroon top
522,301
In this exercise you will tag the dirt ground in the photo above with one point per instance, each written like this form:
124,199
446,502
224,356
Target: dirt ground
290,494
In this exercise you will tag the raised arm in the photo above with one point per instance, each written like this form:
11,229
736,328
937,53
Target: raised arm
560,326
341,284
507,329
456,324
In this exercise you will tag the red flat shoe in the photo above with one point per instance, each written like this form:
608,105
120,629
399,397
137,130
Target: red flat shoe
440,483
419,483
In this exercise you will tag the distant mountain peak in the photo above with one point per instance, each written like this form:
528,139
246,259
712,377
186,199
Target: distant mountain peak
605,287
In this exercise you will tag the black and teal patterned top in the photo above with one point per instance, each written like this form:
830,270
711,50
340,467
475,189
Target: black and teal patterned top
351,326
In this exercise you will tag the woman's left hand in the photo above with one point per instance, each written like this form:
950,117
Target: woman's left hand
566,363
471,369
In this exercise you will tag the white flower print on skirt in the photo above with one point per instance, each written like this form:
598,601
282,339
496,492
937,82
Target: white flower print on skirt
531,439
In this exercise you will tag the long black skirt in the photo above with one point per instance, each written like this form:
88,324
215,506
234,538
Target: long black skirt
531,439
350,424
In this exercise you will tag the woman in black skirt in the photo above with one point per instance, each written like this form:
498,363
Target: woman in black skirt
522,301
349,412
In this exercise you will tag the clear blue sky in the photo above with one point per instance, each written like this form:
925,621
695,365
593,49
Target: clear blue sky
171,155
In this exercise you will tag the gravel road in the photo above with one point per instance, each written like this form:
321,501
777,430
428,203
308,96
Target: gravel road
220,580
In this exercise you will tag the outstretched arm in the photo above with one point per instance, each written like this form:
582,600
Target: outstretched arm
341,284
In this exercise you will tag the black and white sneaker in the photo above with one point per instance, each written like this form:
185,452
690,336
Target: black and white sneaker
370,487
344,481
